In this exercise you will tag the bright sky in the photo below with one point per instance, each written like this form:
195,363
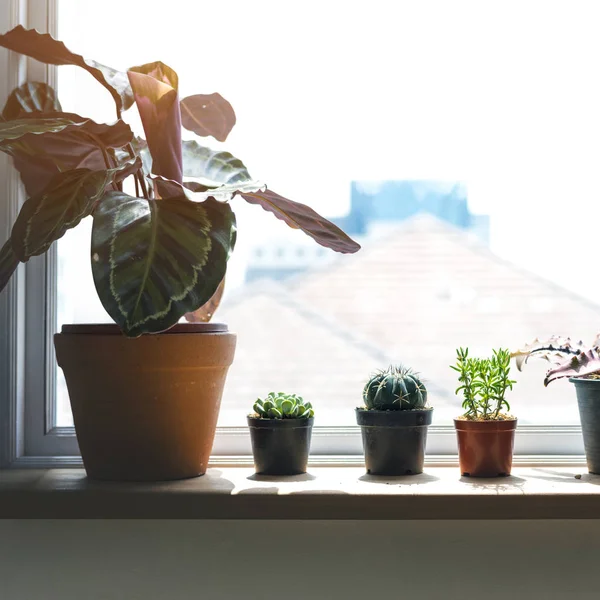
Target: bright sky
504,96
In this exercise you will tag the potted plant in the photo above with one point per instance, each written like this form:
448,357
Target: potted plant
144,407
581,364
394,422
485,433
280,432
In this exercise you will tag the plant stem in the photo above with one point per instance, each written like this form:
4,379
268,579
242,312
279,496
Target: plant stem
139,175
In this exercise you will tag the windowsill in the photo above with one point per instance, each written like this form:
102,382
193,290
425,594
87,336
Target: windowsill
323,493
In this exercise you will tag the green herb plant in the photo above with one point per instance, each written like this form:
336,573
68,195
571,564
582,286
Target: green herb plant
283,406
483,383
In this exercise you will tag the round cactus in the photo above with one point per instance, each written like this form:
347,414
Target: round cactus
395,388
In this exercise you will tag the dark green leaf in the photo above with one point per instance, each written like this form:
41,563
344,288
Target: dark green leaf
214,166
46,49
208,114
31,97
299,216
8,263
45,217
17,128
155,260
155,90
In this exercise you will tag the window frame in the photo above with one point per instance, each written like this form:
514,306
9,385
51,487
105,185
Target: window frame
28,437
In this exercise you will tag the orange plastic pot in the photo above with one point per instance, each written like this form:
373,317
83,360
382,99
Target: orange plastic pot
145,409
485,448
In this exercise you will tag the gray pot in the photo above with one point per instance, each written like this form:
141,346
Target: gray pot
588,399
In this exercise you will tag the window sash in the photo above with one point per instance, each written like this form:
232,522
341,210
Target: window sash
28,436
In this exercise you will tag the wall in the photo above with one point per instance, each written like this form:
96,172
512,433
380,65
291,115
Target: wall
214,560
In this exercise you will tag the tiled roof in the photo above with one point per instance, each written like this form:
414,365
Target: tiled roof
284,345
411,297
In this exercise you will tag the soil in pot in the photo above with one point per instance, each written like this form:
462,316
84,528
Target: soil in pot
485,448
145,409
280,446
394,440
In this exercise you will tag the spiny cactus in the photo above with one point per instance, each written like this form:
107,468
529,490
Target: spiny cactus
283,406
395,388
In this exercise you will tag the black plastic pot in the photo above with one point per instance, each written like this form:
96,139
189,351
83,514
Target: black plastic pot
280,446
588,400
394,440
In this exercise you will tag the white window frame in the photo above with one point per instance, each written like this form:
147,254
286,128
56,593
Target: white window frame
28,437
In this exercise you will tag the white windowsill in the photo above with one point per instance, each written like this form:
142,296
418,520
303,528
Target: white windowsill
323,493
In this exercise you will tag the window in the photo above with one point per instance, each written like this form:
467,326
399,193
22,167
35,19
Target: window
451,153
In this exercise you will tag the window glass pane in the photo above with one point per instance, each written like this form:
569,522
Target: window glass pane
457,141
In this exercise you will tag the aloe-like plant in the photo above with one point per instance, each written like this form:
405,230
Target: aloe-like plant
159,251
483,383
395,388
283,406
570,359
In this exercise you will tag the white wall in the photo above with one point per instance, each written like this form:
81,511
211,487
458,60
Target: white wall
214,560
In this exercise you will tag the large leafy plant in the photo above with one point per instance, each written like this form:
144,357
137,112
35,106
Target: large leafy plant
157,253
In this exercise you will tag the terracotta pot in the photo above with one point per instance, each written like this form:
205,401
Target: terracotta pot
145,409
485,448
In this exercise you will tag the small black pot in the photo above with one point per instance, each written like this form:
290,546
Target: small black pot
394,440
280,446
588,400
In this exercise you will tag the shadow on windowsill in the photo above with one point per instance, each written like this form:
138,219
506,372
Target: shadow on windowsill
419,479
282,478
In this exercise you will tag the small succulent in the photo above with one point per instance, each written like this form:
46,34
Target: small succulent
283,406
395,388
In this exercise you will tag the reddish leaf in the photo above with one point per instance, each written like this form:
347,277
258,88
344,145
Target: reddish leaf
155,90
126,169
167,188
300,216
46,49
208,114
578,365
205,313
40,156
8,263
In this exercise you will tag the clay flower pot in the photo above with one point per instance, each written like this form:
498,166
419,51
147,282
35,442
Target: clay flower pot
145,409
485,448
280,446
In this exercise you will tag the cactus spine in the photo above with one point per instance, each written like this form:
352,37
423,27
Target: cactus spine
395,388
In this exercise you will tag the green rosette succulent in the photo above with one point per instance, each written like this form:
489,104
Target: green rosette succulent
283,406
